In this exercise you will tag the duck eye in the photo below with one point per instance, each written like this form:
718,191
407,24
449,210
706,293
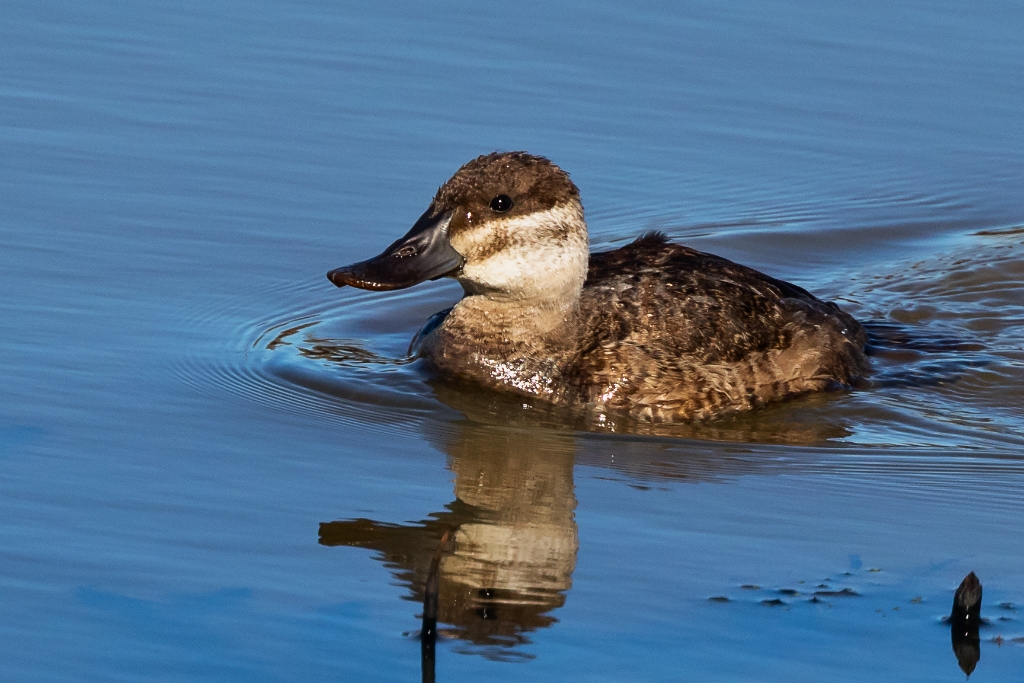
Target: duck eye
501,203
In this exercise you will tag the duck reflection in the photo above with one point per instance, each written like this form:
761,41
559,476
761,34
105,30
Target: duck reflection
508,563
512,551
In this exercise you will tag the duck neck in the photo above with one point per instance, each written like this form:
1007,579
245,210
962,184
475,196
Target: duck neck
525,323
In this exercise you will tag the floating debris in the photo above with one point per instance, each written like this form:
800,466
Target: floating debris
1015,230
966,612
790,592
964,621
718,598
773,602
750,587
846,592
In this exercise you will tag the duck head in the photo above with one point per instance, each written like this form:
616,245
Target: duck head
506,225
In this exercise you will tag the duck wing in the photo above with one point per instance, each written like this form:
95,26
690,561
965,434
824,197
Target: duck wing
656,293
673,319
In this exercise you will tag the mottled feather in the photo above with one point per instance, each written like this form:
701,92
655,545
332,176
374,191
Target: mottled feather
668,332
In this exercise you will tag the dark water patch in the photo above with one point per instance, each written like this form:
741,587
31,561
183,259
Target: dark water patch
894,336
1002,232
14,436
841,593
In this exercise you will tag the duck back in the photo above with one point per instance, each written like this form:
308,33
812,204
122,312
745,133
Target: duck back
670,333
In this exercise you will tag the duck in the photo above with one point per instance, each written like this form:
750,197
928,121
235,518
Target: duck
654,331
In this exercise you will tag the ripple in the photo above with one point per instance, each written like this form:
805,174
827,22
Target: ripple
946,356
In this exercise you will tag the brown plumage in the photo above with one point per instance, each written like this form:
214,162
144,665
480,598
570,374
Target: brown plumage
669,332
654,330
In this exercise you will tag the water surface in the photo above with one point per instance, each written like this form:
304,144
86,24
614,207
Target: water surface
215,465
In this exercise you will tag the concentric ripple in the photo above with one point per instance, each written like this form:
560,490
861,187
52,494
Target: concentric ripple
946,353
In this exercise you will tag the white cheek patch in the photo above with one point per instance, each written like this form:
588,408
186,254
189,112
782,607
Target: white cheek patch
530,270
543,252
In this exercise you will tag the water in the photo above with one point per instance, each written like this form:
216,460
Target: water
215,465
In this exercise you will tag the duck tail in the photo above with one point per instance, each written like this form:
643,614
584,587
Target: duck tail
650,238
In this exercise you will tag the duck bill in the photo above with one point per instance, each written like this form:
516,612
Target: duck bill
423,254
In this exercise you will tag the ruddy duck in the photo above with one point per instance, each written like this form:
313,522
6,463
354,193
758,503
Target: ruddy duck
653,329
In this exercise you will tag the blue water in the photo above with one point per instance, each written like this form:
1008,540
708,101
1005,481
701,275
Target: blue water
185,398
